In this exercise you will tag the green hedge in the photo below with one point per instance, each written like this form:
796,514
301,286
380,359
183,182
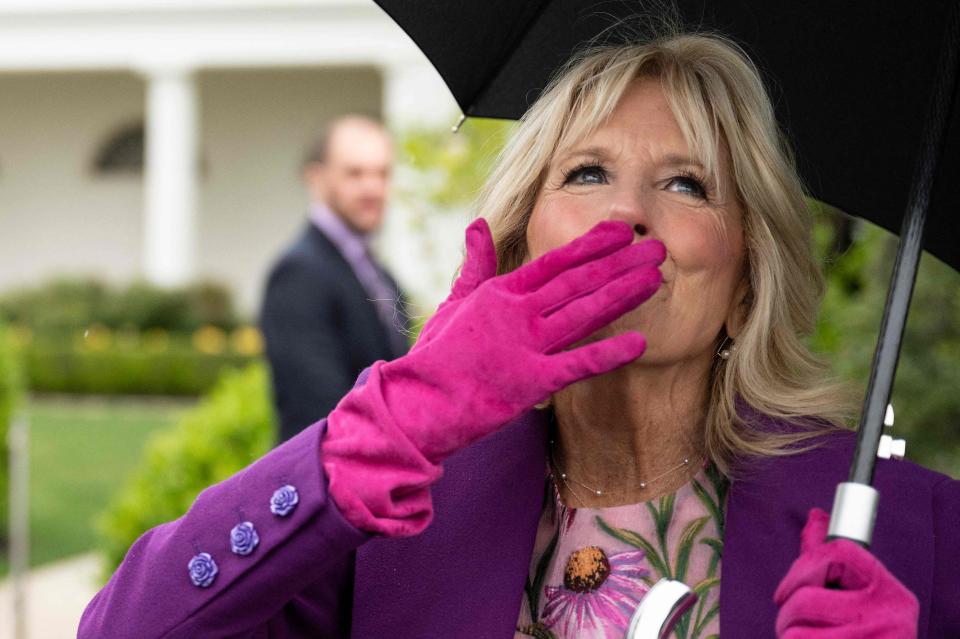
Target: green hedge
10,397
62,306
179,369
82,336
227,431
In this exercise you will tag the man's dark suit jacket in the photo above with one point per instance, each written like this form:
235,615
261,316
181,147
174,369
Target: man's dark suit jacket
321,330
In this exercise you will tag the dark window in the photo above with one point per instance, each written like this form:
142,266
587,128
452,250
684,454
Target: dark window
122,152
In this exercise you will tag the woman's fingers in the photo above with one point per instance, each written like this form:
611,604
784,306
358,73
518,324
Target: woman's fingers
838,589
603,239
595,358
589,313
593,275
480,263
822,567
815,530
838,564
813,609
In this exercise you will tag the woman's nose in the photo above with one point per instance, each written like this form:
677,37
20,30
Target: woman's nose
629,206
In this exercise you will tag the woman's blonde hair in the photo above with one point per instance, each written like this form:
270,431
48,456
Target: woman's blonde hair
720,103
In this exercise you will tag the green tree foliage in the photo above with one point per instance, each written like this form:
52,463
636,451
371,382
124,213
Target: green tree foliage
925,397
11,390
229,429
444,170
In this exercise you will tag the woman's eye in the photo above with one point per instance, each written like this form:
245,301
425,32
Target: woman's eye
687,185
586,175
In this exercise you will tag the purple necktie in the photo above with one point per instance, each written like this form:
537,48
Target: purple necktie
384,297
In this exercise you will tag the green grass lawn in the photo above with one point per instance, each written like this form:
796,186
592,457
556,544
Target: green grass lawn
81,451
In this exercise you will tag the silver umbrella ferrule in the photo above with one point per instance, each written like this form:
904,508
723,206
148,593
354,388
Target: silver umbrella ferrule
854,513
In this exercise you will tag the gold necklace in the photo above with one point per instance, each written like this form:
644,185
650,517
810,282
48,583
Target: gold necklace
599,492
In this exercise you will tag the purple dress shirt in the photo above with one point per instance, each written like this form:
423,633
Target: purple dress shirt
314,575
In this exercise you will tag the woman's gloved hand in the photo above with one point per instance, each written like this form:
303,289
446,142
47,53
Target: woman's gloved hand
838,590
499,347
479,265
495,348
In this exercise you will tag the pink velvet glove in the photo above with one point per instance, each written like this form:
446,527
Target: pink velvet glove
479,265
838,590
495,348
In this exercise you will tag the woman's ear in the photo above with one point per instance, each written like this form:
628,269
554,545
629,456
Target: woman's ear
739,306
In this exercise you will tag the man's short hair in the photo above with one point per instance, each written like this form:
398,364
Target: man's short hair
320,147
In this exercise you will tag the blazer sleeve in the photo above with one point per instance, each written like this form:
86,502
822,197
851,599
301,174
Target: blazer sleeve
306,548
310,365
945,604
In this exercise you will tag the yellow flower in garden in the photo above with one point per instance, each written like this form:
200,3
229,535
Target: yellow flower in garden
155,340
247,340
97,337
210,340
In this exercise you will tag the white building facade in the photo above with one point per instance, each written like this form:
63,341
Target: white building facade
228,93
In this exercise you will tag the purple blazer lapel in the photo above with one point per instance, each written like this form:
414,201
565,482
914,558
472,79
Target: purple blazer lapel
464,575
768,507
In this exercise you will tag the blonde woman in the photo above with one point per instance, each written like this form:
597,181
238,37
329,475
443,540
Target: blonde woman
616,390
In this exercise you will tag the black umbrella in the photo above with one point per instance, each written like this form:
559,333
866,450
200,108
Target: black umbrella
867,92
852,81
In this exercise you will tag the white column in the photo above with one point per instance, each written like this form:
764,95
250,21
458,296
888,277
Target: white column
170,177
421,246
414,94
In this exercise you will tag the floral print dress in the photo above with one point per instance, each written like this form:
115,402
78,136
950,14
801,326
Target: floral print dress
591,567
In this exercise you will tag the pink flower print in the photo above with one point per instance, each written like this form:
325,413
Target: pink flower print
598,595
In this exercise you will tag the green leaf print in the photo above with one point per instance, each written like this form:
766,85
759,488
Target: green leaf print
717,546
712,506
714,543
662,517
687,540
533,589
713,612
712,495
637,541
705,585
721,486
702,589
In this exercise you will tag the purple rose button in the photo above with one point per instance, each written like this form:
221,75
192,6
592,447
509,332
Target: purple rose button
284,500
244,538
203,570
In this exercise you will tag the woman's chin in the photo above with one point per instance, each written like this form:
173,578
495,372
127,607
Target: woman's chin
636,321
626,324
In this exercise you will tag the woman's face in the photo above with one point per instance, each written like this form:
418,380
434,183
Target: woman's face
637,168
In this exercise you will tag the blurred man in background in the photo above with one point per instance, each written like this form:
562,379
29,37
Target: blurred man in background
329,309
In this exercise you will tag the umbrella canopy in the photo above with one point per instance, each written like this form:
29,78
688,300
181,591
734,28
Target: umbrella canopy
851,81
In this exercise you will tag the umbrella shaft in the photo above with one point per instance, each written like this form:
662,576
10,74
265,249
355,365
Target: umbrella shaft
908,256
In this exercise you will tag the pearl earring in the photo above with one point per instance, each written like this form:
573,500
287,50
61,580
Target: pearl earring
726,348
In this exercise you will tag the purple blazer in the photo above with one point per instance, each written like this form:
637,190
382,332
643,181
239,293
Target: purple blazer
314,575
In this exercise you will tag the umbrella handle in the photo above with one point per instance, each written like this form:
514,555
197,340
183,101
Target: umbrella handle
855,504
854,513
661,608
